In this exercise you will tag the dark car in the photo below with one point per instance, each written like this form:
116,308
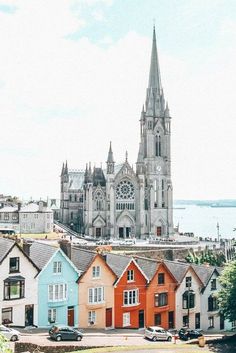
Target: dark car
188,334
64,333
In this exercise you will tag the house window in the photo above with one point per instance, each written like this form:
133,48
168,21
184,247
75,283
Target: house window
14,264
36,215
6,216
91,317
161,299
213,284
126,319
212,303
57,267
96,271
14,288
131,297
14,217
24,215
157,319
52,316
161,278
211,321
96,295
130,275
188,281
197,321
185,321
188,300
57,292
6,316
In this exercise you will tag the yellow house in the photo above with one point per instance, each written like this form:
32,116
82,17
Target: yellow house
96,295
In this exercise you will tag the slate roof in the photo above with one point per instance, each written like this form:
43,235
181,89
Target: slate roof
33,207
98,177
148,266
40,253
117,262
5,247
82,258
9,209
204,272
178,269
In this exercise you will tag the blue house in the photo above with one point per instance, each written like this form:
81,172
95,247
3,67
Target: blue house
57,286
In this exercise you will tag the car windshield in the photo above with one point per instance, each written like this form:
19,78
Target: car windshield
150,329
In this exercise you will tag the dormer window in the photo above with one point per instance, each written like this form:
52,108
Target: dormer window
130,275
96,271
161,278
14,264
188,281
213,284
57,267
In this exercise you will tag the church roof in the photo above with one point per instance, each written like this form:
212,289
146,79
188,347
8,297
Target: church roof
98,177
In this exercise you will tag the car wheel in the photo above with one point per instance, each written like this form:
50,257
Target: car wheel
58,338
154,338
169,339
78,338
14,338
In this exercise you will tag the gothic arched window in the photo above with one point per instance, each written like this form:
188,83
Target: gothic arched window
98,201
158,145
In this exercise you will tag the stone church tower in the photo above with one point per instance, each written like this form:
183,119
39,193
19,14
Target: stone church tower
120,202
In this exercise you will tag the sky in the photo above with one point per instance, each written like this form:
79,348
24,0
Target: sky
73,77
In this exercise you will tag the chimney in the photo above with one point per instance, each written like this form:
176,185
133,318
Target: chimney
40,206
26,247
18,206
65,246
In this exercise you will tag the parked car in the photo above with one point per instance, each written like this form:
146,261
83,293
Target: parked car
188,334
157,333
61,333
103,242
127,242
9,333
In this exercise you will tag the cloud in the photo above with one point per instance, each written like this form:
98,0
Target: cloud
66,99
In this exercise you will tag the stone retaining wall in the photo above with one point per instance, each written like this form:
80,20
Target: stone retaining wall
21,347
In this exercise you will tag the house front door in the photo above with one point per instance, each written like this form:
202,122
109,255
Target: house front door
29,315
71,315
141,318
109,317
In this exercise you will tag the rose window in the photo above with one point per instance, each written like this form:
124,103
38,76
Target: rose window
125,190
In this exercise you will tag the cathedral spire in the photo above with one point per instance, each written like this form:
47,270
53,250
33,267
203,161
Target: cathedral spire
155,104
154,74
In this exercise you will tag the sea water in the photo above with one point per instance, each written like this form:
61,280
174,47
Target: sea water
203,220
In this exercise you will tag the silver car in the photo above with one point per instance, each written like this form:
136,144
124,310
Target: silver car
9,333
157,333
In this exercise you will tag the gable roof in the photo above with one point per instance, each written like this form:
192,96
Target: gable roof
5,247
117,262
82,258
40,253
178,269
149,266
103,258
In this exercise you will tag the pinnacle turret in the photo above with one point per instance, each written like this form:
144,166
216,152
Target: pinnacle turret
66,169
110,161
62,171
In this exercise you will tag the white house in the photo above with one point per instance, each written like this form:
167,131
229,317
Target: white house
211,317
36,218
18,286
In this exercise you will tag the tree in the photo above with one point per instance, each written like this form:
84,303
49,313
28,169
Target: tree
227,293
4,347
206,256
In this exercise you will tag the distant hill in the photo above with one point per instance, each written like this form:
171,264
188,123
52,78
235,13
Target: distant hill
208,203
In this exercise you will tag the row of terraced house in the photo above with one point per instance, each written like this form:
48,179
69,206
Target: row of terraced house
41,284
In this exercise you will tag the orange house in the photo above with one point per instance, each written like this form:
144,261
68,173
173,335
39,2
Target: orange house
130,297
160,305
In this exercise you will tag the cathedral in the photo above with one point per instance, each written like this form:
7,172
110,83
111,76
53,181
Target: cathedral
120,202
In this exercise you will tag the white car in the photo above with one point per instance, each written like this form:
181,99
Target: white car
128,242
157,333
10,333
